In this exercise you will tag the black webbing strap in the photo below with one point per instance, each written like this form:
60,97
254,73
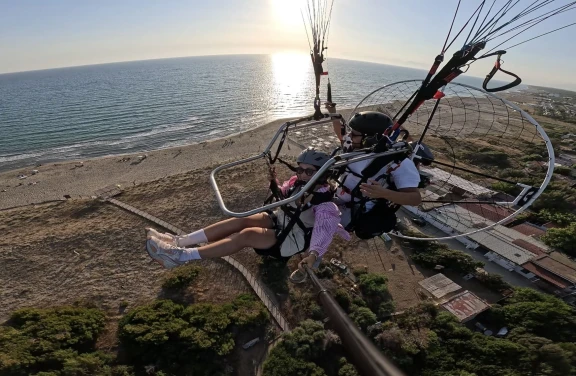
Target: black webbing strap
498,67
280,144
294,216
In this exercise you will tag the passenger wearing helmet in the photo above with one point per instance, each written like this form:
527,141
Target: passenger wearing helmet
371,191
310,223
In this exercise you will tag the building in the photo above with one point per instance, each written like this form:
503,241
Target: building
466,306
554,273
457,184
503,246
491,212
439,286
530,229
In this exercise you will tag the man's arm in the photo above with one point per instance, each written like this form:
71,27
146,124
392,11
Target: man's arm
404,196
336,124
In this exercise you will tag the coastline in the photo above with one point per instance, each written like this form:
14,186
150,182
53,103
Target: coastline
55,181
82,178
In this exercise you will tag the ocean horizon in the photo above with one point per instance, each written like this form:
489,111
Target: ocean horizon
107,109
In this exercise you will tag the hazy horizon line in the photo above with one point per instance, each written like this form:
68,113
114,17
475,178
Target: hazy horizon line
239,54
209,55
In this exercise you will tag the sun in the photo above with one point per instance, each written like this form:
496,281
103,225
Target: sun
287,13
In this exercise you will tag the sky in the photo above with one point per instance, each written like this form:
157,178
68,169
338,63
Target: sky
41,34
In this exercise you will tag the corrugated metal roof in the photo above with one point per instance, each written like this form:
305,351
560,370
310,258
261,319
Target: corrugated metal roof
456,181
465,306
564,269
439,285
531,247
495,241
546,275
498,239
513,235
491,212
528,229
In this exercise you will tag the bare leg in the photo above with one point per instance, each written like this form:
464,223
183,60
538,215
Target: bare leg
249,237
225,228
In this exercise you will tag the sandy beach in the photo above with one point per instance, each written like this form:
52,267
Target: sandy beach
81,179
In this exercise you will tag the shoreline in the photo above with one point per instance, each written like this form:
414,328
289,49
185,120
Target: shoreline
82,178
56,181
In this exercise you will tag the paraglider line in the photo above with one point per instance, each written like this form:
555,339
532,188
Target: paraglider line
572,24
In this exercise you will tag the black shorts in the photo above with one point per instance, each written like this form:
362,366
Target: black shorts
273,251
379,220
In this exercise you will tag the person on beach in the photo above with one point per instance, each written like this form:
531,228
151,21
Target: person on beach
276,234
371,191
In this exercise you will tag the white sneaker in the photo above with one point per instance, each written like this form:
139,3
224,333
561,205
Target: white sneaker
163,253
165,237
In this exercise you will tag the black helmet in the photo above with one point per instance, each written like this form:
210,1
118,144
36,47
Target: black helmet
370,123
313,157
425,153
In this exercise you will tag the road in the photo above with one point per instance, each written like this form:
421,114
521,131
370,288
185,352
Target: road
512,278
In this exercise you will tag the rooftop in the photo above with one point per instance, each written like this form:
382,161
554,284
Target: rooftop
465,306
498,239
491,212
439,285
546,275
531,247
456,181
566,270
529,229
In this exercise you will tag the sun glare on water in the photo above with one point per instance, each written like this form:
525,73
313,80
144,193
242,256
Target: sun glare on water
292,73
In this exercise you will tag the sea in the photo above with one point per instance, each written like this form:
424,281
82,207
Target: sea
91,111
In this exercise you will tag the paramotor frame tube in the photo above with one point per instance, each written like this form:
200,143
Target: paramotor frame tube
526,197
334,163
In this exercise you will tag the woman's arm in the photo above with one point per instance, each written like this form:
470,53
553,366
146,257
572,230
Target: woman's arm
287,184
326,221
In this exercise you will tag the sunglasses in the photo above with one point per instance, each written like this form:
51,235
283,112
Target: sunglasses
308,171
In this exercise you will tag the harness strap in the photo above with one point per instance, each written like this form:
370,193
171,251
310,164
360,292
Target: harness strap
498,67
355,192
305,203
280,144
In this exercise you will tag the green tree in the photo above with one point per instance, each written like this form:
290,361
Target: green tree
306,341
566,171
363,317
280,363
181,277
346,369
560,218
543,357
375,292
297,352
439,254
344,299
194,338
563,239
494,282
541,314
57,341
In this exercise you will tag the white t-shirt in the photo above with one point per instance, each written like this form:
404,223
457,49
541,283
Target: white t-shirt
406,175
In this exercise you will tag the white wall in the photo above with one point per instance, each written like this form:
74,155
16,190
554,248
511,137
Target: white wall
449,231
497,259
518,269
